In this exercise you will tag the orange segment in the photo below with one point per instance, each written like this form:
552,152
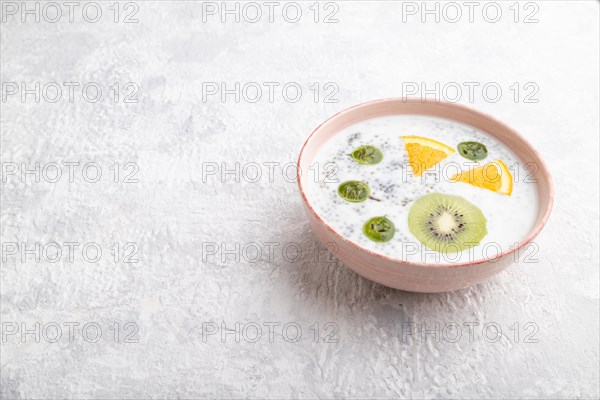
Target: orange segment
424,153
494,176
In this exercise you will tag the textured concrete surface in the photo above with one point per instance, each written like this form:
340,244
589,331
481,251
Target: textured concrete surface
161,317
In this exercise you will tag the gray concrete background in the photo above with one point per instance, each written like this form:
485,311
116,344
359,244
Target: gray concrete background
161,317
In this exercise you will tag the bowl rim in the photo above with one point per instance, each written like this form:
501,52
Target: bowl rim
459,107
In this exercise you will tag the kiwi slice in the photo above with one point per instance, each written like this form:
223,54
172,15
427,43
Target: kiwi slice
379,229
473,151
446,223
354,191
367,155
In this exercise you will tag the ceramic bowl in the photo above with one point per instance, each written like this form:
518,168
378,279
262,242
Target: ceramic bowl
412,276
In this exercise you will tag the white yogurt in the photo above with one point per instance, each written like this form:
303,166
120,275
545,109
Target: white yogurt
509,218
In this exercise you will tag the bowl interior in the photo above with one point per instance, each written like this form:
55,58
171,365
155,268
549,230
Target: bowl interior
450,111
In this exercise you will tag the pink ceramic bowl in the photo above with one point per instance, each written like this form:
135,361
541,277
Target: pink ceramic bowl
412,276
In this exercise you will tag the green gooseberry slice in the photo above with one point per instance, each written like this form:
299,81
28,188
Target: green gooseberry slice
473,151
379,229
354,191
367,155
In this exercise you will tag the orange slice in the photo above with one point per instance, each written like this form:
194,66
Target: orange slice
494,176
424,153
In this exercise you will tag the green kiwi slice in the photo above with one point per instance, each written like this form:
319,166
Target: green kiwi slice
473,151
367,155
446,223
379,229
354,191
